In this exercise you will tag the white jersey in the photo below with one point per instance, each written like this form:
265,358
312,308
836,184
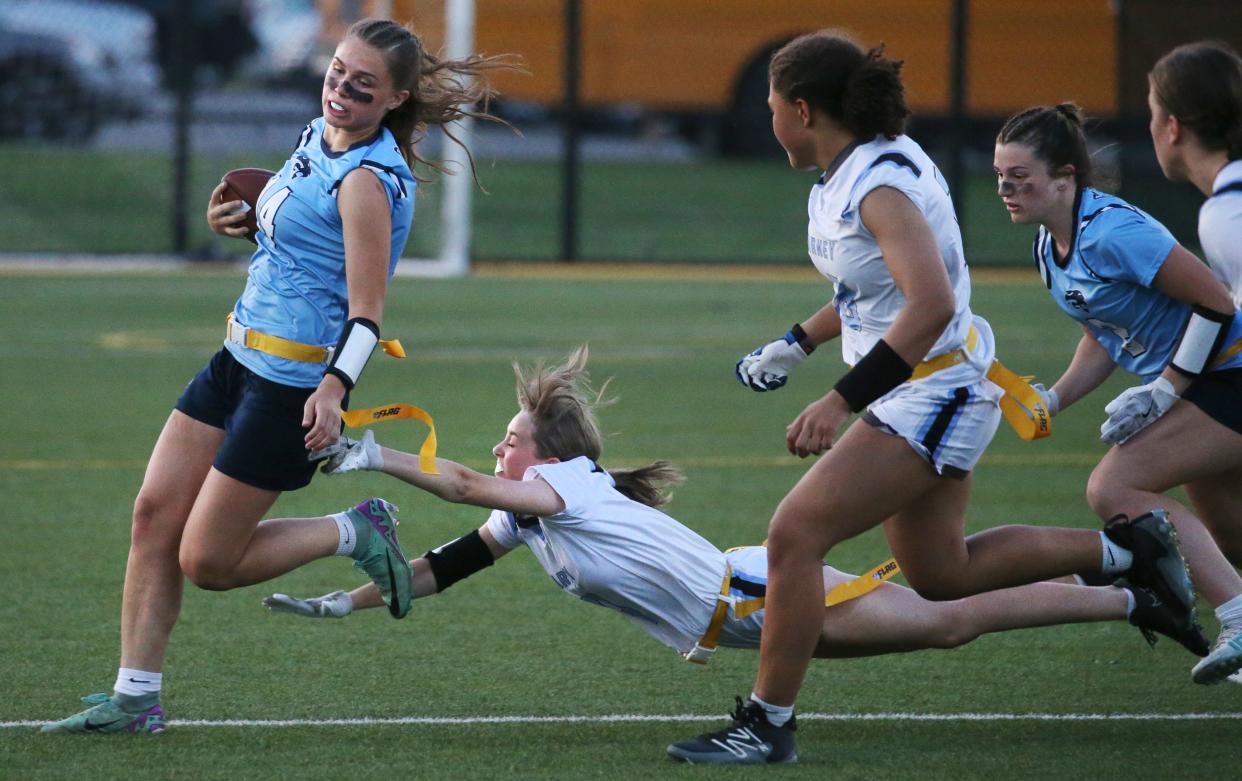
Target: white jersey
845,252
612,551
1220,228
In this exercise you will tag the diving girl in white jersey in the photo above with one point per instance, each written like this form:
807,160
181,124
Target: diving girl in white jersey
598,535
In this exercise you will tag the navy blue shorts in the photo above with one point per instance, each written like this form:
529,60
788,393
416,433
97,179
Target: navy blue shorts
264,442
1219,395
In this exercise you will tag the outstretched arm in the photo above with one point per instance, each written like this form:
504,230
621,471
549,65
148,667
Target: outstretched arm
462,485
453,483
339,604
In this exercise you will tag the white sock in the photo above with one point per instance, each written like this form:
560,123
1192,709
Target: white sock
347,535
1129,602
777,714
1078,579
1115,559
1230,612
136,683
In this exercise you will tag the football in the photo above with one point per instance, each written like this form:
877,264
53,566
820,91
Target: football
245,184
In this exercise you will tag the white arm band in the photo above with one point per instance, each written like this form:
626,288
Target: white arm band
1202,339
353,351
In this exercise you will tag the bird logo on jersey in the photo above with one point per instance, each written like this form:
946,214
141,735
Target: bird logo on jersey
301,165
1076,299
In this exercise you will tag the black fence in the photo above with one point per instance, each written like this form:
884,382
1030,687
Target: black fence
118,117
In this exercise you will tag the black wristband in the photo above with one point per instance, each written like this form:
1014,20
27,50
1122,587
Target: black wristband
802,339
877,373
458,559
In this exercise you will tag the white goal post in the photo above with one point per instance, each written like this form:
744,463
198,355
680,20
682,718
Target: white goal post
455,217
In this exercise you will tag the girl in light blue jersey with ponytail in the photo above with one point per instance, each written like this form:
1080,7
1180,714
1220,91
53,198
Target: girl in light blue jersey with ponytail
1151,307
332,224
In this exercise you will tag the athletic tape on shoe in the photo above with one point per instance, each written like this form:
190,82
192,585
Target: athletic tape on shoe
366,417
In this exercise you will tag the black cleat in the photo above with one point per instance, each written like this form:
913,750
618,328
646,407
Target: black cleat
1152,614
750,740
1158,564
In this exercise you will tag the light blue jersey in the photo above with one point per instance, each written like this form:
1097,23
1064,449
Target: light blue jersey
296,287
1106,283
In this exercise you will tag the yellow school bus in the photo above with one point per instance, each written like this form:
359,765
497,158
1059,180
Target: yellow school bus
709,57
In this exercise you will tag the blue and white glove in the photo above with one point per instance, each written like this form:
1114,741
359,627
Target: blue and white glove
1136,409
768,367
350,455
338,604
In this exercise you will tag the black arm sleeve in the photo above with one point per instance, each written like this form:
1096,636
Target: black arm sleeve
459,559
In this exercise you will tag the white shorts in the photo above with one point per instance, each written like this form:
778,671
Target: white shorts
948,426
750,579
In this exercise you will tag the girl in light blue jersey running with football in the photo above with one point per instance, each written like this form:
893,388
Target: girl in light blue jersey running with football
1151,307
332,224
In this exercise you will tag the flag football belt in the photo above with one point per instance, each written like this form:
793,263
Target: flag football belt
238,334
842,592
1021,405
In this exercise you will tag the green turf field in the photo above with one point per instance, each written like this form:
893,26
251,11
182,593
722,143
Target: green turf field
712,211
93,364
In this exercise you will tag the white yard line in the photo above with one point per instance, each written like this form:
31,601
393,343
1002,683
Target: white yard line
668,718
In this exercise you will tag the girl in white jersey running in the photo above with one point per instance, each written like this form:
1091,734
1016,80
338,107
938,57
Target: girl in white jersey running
598,535
882,229
333,222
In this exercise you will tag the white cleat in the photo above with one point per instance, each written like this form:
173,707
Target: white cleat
1225,659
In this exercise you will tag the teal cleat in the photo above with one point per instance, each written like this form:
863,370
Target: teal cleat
106,715
381,557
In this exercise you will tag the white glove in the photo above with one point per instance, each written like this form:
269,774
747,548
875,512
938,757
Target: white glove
338,604
350,455
768,367
1136,409
1051,402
